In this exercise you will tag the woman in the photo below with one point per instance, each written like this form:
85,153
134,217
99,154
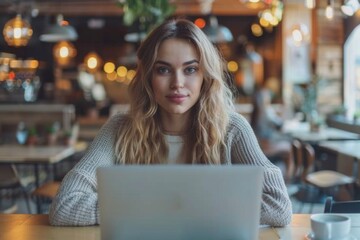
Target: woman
266,124
180,112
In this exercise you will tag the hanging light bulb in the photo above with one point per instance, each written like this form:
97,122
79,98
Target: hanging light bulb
17,32
92,62
299,34
329,10
311,4
64,52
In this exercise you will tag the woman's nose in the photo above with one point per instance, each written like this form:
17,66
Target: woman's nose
178,80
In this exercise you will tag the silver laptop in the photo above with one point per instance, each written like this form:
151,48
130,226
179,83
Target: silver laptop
187,202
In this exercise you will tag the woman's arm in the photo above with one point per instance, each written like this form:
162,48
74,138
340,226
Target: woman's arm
276,209
76,203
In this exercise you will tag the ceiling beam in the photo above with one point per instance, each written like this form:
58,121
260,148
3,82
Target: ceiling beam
109,8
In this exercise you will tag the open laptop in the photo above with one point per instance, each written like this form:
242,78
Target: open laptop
187,202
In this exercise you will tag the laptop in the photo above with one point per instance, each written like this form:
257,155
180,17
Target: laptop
187,202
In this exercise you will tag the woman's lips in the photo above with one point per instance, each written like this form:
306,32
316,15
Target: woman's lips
177,98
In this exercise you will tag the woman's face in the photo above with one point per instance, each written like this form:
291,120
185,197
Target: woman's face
177,77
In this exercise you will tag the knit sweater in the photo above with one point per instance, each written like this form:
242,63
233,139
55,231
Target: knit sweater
76,203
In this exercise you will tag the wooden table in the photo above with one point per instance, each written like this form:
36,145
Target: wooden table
301,131
29,227
36,156
347,148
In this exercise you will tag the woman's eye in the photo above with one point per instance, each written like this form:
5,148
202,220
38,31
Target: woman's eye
190,70
162,70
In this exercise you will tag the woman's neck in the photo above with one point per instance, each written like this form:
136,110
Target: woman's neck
176,124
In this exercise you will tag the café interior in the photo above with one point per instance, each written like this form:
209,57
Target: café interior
65,67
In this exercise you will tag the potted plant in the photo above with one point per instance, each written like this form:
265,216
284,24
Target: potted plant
71,135
148,13
52,133
356,116
310,107
32,136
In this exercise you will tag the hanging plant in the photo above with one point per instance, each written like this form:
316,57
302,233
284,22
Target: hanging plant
148,13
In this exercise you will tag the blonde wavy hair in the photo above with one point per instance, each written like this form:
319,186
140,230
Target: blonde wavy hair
140,140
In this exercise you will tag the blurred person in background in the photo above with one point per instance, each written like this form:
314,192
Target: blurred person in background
267,123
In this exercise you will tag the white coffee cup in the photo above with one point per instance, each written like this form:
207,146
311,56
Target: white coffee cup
326,226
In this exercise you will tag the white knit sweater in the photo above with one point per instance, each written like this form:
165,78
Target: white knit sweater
76,203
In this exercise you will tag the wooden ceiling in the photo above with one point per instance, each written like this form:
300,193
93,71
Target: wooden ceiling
109,7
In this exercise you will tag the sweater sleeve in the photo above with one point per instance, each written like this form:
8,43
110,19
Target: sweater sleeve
276,209
76,203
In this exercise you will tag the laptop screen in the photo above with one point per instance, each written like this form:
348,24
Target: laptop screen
179,202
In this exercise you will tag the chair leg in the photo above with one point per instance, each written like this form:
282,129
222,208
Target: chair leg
311,208
27,200
351,189
301,205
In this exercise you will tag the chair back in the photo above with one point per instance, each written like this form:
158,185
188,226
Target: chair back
304,157
8,176
308,159
332,206
297,157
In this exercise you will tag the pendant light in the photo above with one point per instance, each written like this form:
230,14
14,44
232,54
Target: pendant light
217,33
17,32
59,31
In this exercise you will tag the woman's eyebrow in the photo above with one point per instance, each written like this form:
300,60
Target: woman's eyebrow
162,62
191,62
185,63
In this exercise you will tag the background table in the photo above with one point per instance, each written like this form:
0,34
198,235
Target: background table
301,131
29,227
347,148
36,156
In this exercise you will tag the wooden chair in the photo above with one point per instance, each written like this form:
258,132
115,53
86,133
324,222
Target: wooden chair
328,179
10,181
332,206
46,193
299,173
315,186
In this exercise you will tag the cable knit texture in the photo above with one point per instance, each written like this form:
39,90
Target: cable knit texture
76,203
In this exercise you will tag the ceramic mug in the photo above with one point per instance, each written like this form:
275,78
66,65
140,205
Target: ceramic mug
326,226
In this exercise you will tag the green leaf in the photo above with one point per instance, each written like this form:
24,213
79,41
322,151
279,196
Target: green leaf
149,13
129,18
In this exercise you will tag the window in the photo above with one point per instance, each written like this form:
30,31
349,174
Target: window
352,73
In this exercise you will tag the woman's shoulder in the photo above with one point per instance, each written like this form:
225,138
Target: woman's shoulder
237,120
115,122
118,119
238,125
